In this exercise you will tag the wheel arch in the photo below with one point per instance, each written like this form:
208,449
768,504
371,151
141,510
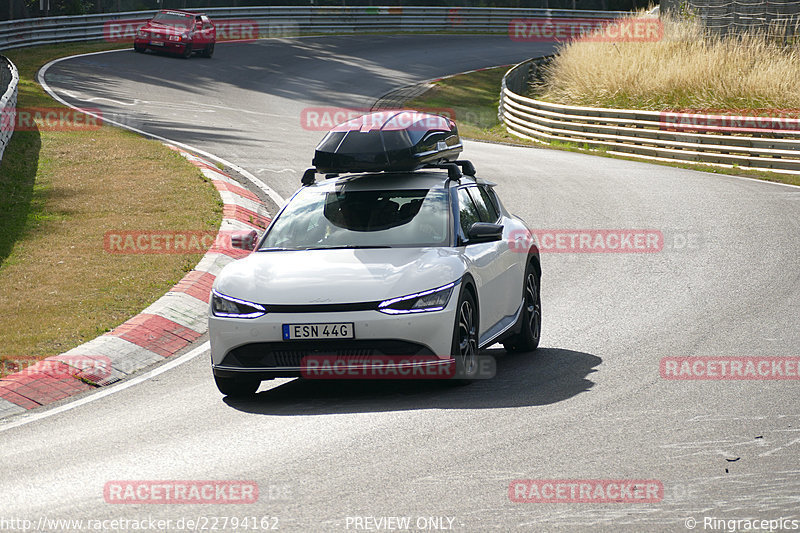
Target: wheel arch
469,284
537,265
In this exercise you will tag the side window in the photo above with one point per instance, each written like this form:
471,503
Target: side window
468,213
485,211
489,199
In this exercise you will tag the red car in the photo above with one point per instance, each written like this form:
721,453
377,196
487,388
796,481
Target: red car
177,32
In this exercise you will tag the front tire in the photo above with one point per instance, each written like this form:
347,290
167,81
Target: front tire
465,338
527,340
138,48
187,53
237,387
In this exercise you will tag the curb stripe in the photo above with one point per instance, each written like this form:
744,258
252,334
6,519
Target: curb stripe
164,328
156,333
224,186
196,283
245,215
38,388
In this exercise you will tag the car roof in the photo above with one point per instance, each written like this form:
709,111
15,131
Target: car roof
420,179
182,12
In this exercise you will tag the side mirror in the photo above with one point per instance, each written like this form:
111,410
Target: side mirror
244,240
484,232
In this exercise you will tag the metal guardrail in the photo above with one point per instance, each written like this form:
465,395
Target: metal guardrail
778,18
8,102
665,136
291,21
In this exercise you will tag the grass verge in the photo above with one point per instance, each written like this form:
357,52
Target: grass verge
475,96
60,192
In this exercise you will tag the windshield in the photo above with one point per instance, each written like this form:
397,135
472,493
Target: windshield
344,218
174,19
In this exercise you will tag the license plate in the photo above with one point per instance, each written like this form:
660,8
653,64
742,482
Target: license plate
157,43
333,330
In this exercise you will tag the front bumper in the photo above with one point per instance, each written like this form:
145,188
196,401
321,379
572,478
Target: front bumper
173,47
255,347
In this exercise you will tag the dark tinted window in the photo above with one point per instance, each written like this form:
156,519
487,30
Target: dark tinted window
372,210
485,209
468,213
490,198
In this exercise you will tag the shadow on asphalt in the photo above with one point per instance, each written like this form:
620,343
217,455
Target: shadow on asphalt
547,376
323,71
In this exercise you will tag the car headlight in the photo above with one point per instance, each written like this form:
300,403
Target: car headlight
229,307
174,37
420,302
142,34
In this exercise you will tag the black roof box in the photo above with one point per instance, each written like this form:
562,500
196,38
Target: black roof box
388,141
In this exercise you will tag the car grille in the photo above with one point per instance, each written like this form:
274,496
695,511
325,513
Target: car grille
295,357
290,354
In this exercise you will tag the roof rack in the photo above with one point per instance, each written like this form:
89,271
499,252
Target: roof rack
456,168
455,171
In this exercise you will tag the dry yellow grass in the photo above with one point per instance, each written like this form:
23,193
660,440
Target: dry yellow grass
684,70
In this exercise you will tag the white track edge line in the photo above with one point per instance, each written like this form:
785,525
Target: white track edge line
25,419
28,418
277,198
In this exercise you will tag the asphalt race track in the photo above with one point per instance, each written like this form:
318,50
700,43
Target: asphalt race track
590,404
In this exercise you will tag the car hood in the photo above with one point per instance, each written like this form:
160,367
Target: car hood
338,276
165,30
